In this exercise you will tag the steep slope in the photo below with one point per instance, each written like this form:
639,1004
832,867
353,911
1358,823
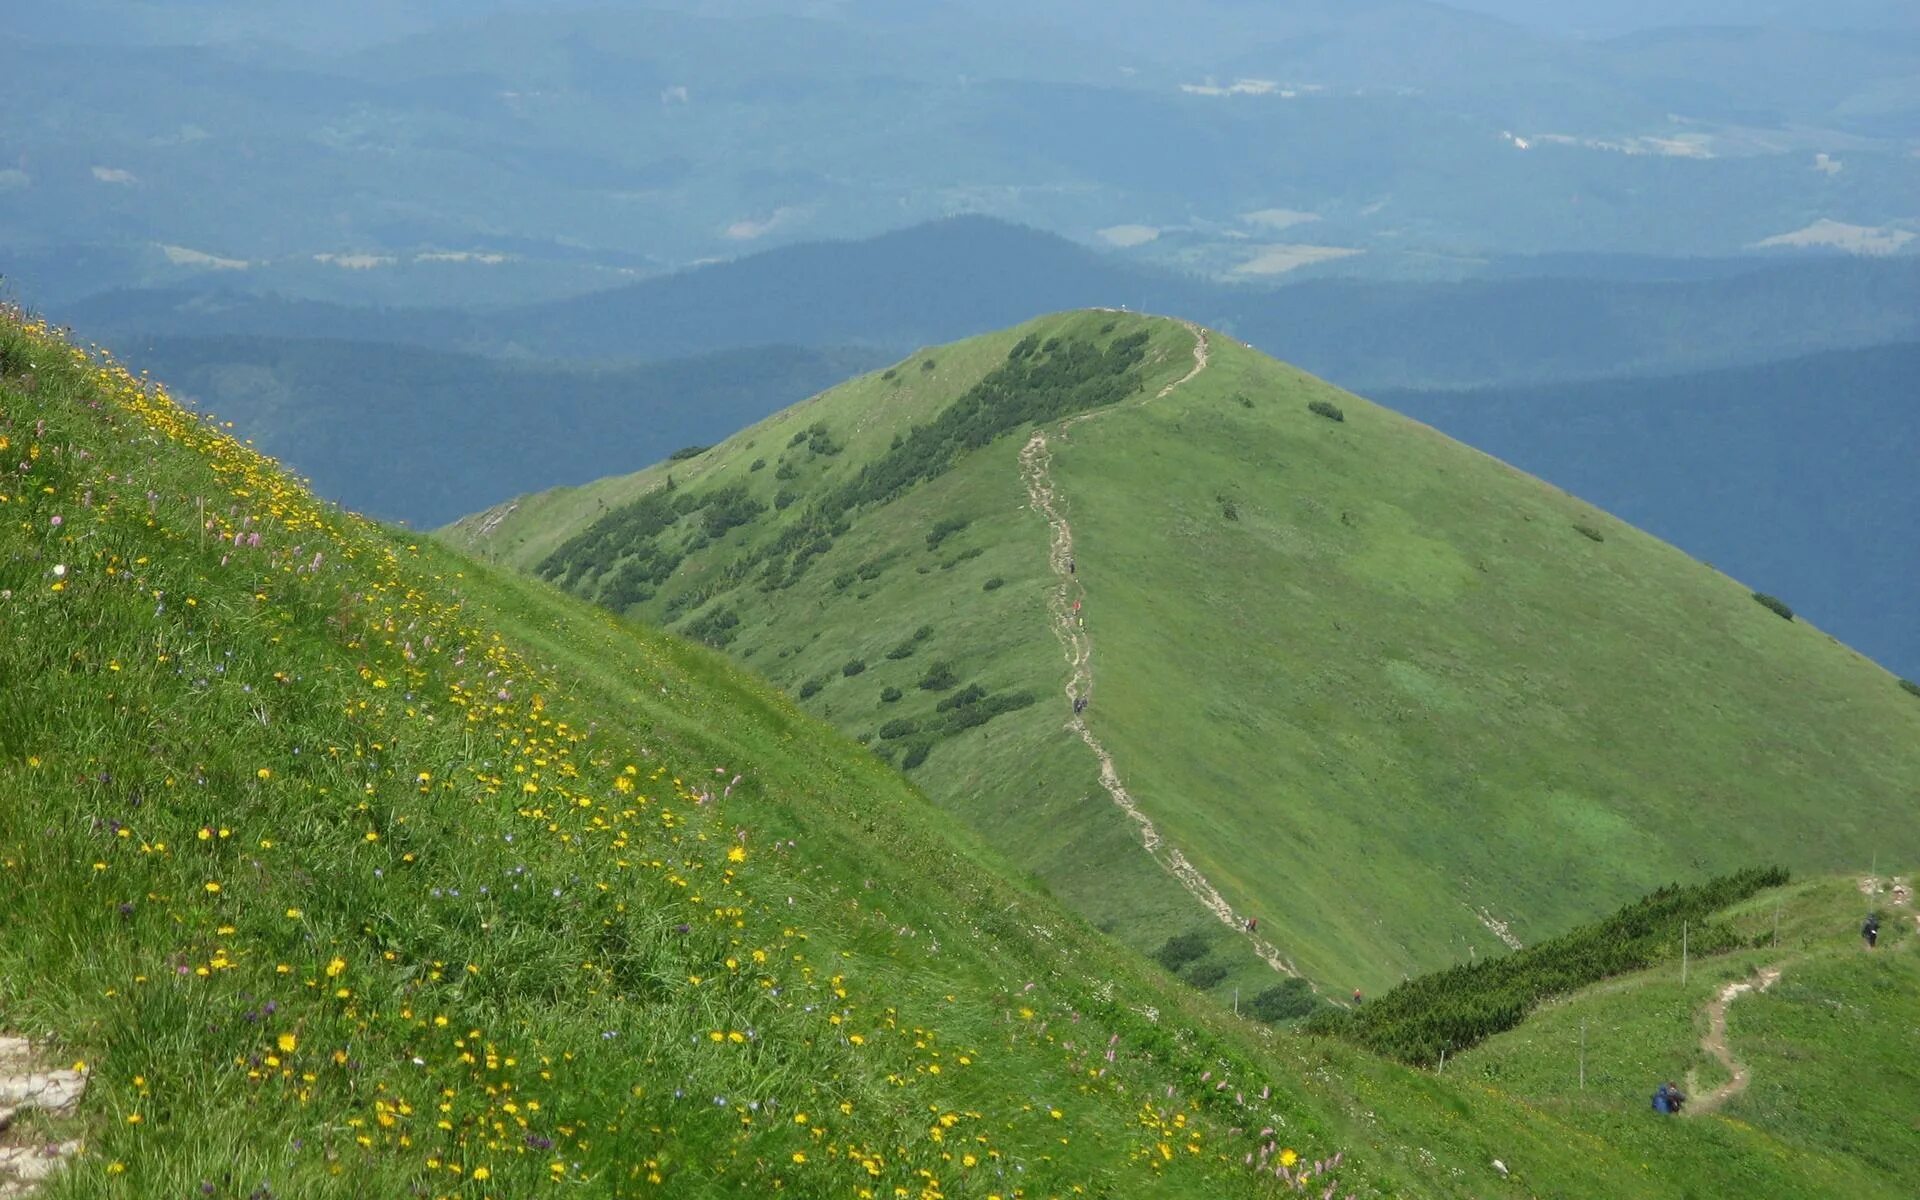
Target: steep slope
1390,698
347,867
1790,475
340,865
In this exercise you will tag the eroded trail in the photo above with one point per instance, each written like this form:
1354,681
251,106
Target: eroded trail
1036,471
1715,1043
30,1157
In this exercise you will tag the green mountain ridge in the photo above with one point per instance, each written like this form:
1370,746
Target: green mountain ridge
1394,700
340,864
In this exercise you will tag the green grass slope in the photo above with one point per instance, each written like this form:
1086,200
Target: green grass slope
1831,1047
1384,693
350,866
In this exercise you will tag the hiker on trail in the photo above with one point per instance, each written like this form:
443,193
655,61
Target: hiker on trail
1668,1099
1871,930
1356,996
1079,705
1253,924
1076,606
1070,569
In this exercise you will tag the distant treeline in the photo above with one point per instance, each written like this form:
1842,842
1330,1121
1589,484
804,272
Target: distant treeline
1453,1009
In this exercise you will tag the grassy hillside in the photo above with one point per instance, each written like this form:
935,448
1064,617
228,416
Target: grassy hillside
1828,1047
349,866
1789,475
1390,697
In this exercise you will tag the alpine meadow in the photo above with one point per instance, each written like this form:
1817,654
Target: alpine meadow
355,866
1391,699
1014,600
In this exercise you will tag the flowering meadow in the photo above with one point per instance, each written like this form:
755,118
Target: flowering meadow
349,867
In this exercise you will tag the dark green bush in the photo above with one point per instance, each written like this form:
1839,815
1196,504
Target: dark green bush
890,373
967,695
759,464
686,452
993,583
854,667
916,754
943,529
1589,532
1450,1010
1773,604
811,688
1181,949
939,677
1205,975
842,581
1910,686
927,364
898,728
889,694
1230,510
967,555
923,633
784,498
1284,1001
1327,409
717,627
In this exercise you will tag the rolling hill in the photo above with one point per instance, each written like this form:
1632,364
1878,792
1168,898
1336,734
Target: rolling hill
340,864
1399,703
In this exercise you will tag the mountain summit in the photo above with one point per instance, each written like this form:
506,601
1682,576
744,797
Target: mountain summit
1200,640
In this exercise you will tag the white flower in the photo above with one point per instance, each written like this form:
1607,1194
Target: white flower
59,570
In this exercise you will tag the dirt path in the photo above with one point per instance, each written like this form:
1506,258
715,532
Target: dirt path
26,1161
1715,1043
1036,471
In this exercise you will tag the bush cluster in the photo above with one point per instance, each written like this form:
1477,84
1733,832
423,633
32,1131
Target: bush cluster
1181,949
1453,1009
1773,604
1327,409
1288,1000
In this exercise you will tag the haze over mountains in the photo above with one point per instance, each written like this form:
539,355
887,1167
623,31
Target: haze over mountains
486,151
372,423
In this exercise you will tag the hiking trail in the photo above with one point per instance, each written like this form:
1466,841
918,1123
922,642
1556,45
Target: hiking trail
1036,471
28,1157
1715,1042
